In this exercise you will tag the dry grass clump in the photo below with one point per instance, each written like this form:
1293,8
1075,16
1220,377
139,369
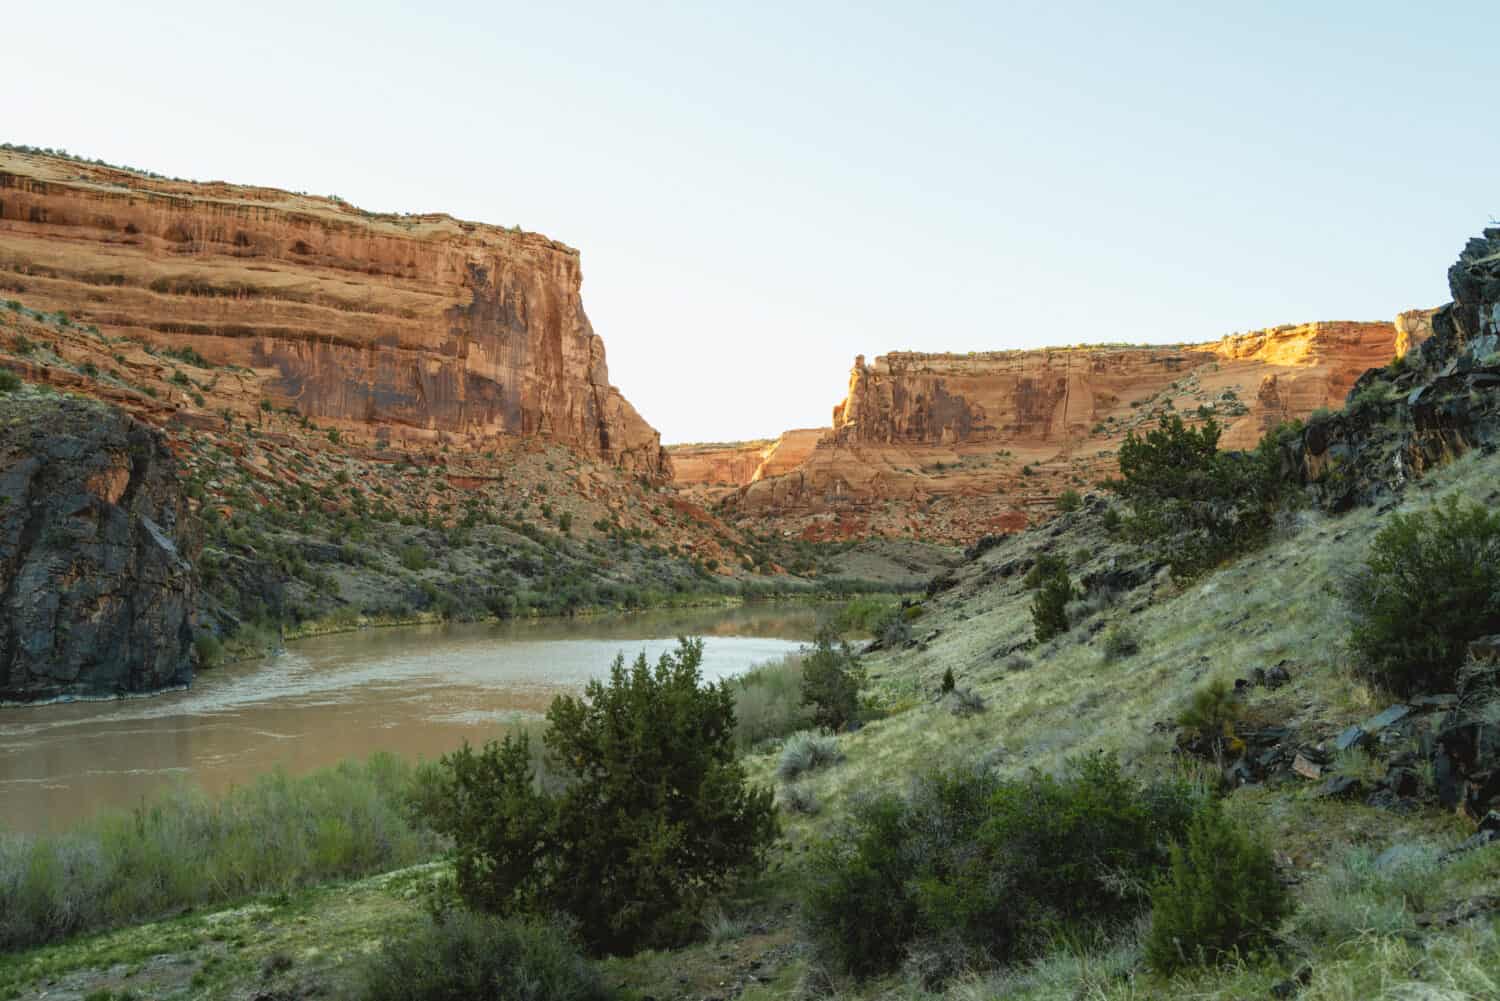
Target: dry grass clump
805,752
768,702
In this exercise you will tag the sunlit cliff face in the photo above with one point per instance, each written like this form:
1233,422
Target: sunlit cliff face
428,327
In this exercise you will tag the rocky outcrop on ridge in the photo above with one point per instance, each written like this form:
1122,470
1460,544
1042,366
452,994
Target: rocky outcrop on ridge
1431,406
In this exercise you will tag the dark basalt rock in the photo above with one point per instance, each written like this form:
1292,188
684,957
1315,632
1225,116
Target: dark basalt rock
1399,422
97,586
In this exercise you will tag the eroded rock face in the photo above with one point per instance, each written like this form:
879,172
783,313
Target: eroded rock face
955,446
95,554
425,327
720,467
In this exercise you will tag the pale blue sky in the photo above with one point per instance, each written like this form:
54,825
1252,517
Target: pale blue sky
763,191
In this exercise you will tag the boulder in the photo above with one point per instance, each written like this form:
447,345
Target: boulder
1340,787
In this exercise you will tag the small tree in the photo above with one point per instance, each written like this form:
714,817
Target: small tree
1190,501
1046,567
1049,609
948,682
655,814
1431,584
831,681
1221,896
1069,500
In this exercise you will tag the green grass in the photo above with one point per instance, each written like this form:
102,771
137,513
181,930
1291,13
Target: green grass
185,849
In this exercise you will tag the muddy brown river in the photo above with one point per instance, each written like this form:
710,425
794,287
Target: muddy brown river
417,691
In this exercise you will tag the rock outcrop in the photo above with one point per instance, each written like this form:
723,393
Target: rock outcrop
96,554
1435,404
414,328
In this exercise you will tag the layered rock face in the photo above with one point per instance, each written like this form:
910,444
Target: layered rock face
96,552
412,328
953,446
715,469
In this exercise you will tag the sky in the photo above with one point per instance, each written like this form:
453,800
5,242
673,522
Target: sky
761,192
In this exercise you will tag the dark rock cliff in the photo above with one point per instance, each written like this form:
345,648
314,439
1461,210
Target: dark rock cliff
1440,401
97,586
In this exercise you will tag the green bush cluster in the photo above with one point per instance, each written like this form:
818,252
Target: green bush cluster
831,679
1190,502
1430,585
458,954
1220,899
9,381
1049,606
973,870
653,816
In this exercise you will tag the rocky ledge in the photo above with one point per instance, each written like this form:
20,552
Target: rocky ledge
96,554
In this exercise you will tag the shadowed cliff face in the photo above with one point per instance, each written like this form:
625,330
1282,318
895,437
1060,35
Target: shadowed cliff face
425,328
95,554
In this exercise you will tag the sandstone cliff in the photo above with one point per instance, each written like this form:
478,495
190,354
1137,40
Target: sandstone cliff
717,468
951,446
95,554
406,328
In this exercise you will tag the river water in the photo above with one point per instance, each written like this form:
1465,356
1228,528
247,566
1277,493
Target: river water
417,691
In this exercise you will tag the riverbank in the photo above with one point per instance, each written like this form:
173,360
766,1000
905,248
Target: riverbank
419,691
346,621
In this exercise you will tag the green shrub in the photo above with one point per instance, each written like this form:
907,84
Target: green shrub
1430,585
1211,712
948,680
830,681
1220,899
414,557
857,908
9,381
654,815
1069,500
458,954
210,651
1120,641
1049,608
974,869
1045,568
1192,503
863,614
805,752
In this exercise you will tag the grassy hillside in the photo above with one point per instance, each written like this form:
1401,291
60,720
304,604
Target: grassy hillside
1368,924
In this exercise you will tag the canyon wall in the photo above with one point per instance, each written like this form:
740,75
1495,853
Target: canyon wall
717,468
949,446
415,328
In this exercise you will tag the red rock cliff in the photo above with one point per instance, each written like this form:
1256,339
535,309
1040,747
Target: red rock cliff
423,327
951,446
